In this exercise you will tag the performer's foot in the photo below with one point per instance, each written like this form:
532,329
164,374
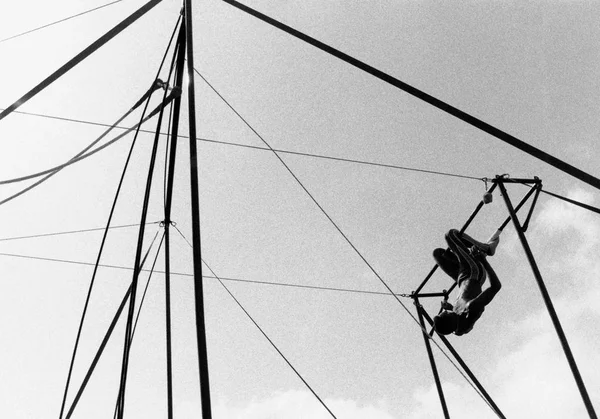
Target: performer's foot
493,243
488,248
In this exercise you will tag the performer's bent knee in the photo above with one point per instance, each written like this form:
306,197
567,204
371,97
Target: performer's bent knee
438,253
452,235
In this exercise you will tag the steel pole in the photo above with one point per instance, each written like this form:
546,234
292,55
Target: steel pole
168,204
548,301
198,280
434,370
467,370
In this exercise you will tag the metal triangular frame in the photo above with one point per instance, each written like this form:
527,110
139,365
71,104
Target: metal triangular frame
499,182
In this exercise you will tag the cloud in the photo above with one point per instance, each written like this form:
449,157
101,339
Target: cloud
535,380
295,404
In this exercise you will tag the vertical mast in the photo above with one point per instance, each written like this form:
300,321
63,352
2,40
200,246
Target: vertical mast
167,221
198,291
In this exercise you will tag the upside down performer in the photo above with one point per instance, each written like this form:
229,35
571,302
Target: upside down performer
465,261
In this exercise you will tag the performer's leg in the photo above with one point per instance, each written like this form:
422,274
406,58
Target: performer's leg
467,265
447,261
488,248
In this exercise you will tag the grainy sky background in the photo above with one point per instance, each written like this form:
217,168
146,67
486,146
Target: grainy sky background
528,68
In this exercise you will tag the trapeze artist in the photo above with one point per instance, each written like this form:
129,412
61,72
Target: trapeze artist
466,262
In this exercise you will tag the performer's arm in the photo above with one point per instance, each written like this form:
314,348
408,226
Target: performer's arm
489,293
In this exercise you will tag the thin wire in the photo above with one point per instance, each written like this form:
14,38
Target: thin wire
346,160
147,283
383,282
78,121
310,196
59,233
104,341
297,153
59,21
319,156
82,154
248,281
77,59
270,341
314,155
259,328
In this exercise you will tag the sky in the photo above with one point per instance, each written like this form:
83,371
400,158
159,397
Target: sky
528,68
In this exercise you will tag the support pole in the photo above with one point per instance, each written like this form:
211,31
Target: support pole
436,376
198,283
169,199
107,335
81,56
467,370
136,272
463,116
549,306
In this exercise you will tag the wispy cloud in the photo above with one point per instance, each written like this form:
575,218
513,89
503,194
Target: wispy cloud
294,404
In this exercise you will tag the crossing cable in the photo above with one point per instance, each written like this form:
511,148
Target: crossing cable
313,155
142,300
76,121
463,116
297,153
261,330
319,156
105,340
60,21
357,251
240,280
81,56
141,227
103,242
82,154
60,233
55,170
137,317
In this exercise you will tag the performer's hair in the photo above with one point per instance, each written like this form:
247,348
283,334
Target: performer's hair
446,322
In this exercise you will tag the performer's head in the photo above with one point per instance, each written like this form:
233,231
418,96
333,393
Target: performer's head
446,322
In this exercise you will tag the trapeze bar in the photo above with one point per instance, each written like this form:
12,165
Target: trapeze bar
428,294
514,180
